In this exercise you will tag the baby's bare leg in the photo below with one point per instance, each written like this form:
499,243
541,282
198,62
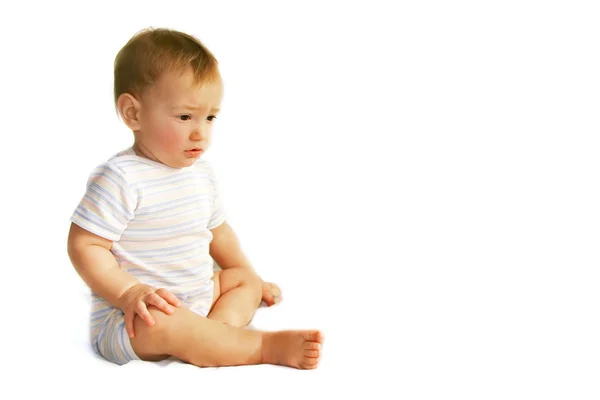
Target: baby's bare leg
237,295
207,343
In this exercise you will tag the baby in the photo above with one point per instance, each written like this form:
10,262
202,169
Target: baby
150,224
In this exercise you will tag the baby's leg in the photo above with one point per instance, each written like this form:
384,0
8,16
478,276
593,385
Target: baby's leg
207,343
237,295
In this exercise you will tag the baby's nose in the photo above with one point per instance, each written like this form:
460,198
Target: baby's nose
198,134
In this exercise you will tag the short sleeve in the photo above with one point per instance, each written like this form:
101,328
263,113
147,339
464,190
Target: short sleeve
218,209
108,203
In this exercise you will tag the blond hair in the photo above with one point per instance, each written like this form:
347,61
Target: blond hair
154,51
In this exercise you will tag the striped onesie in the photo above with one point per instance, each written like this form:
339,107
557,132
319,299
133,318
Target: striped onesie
159,219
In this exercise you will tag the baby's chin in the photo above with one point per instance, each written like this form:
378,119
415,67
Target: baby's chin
188,162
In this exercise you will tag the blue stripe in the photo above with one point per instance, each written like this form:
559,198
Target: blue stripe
165,180
195,210
130,164
116,171
103,330
121,183
165,261
111,200
172,204
110,343
101,312
104,344
168,250
149,258
97,299
216,220
92,217
198,292
102,208
123,336
197,268
165,236
95,345
166,283
95,223
167,278
171,189
158,231
201,289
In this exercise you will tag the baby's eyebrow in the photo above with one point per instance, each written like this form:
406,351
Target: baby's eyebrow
194,107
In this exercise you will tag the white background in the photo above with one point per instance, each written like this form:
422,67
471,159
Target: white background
421,179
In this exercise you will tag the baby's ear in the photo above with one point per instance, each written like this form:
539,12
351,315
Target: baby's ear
129,108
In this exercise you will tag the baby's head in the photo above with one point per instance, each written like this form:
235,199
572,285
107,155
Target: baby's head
168,90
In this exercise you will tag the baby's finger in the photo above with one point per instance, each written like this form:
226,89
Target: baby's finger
129,324
169,297
160,303
268,298
142,311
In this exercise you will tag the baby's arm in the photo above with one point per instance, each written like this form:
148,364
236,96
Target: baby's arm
225,248
90,255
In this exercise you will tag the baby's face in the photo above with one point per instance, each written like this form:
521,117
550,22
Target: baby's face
176,118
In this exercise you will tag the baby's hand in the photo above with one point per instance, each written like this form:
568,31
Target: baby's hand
271,294
135,300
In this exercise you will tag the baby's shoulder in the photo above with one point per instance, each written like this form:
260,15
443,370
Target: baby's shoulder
117,166
125,160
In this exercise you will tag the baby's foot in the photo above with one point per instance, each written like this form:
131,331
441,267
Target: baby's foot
298,349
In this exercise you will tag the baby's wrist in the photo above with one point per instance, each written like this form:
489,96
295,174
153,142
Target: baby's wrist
122,299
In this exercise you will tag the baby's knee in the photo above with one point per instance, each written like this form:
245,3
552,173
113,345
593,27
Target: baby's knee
251,280
156,329
254,282
149,341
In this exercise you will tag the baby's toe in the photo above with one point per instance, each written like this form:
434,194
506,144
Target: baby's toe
309,363
312,345
311,353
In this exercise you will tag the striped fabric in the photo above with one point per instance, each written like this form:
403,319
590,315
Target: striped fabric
159,219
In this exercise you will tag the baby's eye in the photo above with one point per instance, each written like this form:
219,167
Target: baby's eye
185,117
213,118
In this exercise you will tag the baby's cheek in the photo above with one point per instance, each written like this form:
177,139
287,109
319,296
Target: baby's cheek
171,142
168,139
